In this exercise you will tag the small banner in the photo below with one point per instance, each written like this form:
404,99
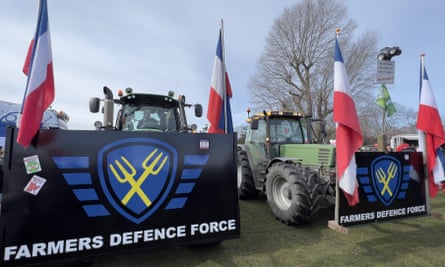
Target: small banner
391,186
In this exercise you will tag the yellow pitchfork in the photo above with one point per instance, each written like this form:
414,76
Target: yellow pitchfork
129,172
381,176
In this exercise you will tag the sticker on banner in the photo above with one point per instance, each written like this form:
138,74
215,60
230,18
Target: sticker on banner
34,185
32,164
204,144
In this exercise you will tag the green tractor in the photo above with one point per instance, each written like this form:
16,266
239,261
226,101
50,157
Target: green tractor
280,158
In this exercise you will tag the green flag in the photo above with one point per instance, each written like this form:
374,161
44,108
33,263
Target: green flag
384,101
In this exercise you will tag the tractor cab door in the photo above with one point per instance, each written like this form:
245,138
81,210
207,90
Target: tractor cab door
256,142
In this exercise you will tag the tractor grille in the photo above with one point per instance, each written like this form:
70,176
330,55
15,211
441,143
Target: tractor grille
326,157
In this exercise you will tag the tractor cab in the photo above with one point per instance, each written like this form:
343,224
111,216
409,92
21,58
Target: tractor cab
273,129
140,112
144,112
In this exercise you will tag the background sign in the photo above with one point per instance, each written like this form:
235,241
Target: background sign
391,186
85,193
385,71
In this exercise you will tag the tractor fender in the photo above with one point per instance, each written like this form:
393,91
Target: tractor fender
282,159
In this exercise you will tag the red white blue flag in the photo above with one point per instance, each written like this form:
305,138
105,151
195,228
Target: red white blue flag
219,114
430,123
39,91
348,132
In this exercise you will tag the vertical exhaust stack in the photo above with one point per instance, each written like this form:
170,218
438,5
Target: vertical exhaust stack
108,108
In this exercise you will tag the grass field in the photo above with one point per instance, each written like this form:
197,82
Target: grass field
267,242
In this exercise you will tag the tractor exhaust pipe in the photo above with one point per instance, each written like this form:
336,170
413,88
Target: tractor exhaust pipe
108,108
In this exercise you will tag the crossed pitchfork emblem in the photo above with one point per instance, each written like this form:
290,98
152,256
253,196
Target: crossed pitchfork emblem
128,172
384,179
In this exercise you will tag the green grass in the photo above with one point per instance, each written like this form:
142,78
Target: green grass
265,241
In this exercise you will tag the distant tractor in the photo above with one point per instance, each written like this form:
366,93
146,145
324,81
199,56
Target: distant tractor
280,158
144,112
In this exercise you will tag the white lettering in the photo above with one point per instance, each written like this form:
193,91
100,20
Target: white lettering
232,224
390,213
52,248
23,252
416,209
115,239
137,235
17,252
55,247
194,228
8,252
159,233
361,217
127,238
213,227
71,245
38,249
147,235
98,242
181,231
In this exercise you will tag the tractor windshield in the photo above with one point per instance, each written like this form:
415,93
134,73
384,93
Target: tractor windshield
149,118
285,130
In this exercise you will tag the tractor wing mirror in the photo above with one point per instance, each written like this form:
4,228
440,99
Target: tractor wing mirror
94,104
198,110
254,125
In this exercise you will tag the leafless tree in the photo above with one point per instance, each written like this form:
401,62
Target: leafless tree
295,71
402,121
370,114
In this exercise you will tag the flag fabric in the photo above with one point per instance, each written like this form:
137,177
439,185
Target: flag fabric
39,91
348,132
430,123
384,101
219,113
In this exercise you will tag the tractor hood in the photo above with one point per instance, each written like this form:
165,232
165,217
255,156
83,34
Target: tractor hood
309,154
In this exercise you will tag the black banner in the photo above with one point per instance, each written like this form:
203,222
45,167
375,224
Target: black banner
77,194
391,186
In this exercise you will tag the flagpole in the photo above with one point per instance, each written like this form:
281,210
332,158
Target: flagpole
33,45
383,127
337,188
422,143
420,133
223,70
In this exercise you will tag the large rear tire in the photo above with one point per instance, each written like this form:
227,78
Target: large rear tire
292,193
245,184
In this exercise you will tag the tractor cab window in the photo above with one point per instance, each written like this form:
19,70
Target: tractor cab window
149,118
288,131
259,135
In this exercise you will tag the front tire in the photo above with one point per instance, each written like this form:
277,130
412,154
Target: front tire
244,177
291,193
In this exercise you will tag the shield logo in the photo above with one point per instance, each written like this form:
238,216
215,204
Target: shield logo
137,175
386,178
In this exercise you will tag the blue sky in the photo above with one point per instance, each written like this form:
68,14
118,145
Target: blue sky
156,46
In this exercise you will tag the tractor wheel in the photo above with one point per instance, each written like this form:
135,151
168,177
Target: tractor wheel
292,192
246,186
